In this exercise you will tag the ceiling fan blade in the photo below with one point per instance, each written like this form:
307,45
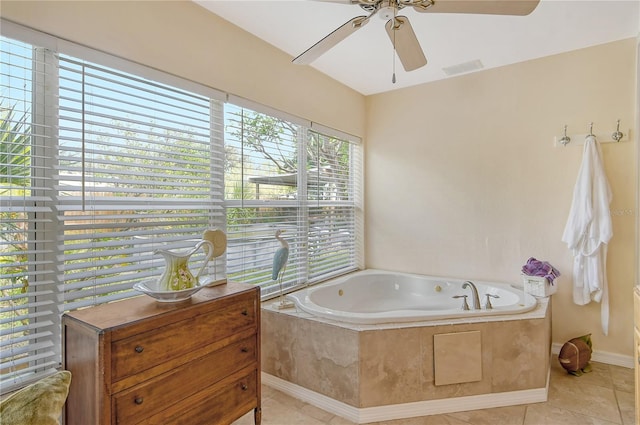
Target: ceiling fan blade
405,43
488,7
322,46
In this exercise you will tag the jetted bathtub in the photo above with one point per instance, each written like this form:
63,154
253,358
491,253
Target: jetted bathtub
377,296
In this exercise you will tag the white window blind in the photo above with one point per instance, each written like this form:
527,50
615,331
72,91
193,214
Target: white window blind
137,171
29,331
282,176
333,200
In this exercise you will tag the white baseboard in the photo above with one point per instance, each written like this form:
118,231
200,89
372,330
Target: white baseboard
406,410
603,357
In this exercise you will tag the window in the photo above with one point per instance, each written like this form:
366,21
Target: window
138,169
103,161
282,175
334,205
29,330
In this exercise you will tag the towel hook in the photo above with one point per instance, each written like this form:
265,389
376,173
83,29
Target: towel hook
591,129
565,139
617,135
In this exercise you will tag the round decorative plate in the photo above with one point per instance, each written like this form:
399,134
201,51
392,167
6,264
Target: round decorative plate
218,239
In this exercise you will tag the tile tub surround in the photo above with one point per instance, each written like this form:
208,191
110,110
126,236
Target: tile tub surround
372,366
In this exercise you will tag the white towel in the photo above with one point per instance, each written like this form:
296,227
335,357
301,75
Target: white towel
588,231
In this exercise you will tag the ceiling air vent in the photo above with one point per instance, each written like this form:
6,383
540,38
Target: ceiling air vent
462,68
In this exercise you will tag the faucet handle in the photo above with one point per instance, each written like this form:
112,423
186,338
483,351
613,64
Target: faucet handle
487,304
465,305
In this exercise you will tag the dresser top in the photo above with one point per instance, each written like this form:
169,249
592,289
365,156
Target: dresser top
117,313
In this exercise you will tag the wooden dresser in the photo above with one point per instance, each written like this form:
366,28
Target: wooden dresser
138,361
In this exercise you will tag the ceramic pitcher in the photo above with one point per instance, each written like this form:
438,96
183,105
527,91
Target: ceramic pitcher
176,275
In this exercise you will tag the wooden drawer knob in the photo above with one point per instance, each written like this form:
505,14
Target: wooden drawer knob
244,350
244,387
139,400
245,312
139,349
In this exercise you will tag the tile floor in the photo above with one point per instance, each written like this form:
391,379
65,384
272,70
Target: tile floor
602,397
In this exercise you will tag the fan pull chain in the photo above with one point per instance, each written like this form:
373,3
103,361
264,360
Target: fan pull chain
393,23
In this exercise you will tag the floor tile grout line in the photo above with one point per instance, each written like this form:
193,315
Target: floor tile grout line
615,395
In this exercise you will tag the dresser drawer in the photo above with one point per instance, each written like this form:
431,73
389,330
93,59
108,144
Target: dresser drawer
217,405
146,399
158,346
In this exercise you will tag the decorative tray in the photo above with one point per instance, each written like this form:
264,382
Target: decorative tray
149,287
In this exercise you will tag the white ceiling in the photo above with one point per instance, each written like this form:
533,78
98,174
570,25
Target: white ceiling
364,61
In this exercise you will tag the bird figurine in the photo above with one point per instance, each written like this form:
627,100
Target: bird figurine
279,267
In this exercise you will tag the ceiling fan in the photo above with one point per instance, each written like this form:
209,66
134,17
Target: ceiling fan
402,36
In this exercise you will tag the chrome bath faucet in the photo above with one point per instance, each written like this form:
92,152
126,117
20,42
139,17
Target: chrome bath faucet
474,294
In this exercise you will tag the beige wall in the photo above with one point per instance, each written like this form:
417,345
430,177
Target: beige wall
184,39
463,179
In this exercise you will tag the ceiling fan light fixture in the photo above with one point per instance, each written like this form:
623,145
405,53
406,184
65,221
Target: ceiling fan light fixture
388,10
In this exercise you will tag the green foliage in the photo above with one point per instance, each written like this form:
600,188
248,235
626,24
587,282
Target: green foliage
264,131
263,134
15,149
15,178
161,155
327,160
